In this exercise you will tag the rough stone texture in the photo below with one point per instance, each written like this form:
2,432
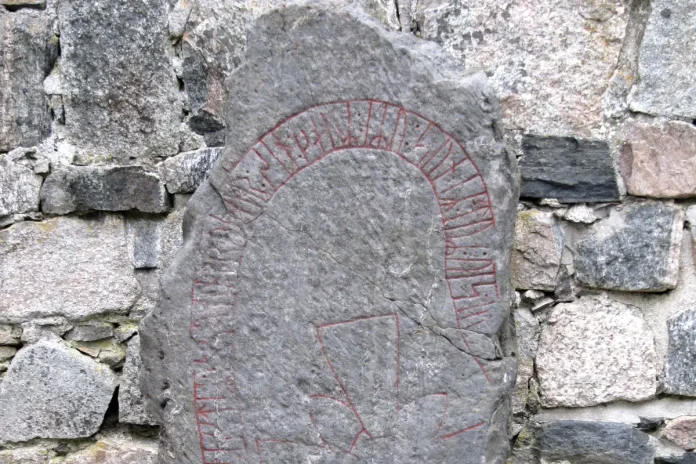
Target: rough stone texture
131,403
119,91
106,351
75,267
567,169
338,302
594,351
31,455
120,188
7,352
51,391
680,369
550,62
27,52
90,332
593,443
682,432
666,62
636,248
185,172
10,335
580,214
536,254
659,160
19,188
527,337
116,449
144,241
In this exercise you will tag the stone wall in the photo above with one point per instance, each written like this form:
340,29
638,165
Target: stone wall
111,114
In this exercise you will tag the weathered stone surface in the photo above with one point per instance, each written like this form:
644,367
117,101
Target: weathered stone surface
580,214
343,321
118,188
593,443
185,172
27,52
666,85
680,369
75,267
144,241
567,169
682,432
636,248
131,403
659,160
7,352
116,449
550,62
105,351
536,255
19,188
10,335
527,337
594,351
31,455
90,332
52,391
119,91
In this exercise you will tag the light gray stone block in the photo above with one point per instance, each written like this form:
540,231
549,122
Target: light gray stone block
185,172
19,188
536,255
72,267
52,391
131,404
593,351
680,369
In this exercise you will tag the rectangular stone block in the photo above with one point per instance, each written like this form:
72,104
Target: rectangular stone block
680,369
19,188
666,62
355,231
536,254
117,188
636,249
119,89
567,169
70,266
28,50
659,160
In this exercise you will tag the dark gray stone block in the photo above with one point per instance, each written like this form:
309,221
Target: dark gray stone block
594,443
636,249
345,269
680,369
568,169
119,188
686,458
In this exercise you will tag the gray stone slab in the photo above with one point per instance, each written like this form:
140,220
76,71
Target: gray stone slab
594,443
10,335
28,50
144,241
345,273
72,267
52,391
536,255
686,458
636,249
90,332
567,169
119,90
185,172
680,369
19,188
119,188
666,62
131,403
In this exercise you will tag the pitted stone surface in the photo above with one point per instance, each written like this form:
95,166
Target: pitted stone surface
345,269
119,91
52,391
536,255
118,188
28,49
680,369
594,351
567,169
73,267
593,443
659,160
666,61
636,248
131,404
